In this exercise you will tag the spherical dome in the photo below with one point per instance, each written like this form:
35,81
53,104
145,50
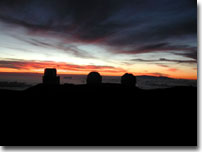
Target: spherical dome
94,78
128,80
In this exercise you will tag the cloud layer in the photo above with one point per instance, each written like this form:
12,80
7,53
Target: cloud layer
40,66
154,37
123,26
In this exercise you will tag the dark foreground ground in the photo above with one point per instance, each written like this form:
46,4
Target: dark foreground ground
103,115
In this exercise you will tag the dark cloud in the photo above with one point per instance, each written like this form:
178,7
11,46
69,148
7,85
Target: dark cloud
190,54
154,46
161,47
162,65
161,60
158,74
126,26
181,50
179,61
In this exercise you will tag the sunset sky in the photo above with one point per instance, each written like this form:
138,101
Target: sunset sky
143,37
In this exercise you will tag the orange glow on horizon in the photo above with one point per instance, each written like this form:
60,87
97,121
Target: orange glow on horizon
102,72
65,68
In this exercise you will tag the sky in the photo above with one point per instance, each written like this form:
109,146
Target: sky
142,37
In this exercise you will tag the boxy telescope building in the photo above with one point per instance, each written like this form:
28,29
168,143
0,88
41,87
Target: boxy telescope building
50,76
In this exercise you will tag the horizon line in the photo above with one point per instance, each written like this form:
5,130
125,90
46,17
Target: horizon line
145,74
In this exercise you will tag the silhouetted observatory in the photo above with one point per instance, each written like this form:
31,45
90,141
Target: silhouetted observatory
50,76
94,78
128,80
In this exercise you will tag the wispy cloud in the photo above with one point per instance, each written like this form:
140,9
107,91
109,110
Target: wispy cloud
40,65
124,26
162,60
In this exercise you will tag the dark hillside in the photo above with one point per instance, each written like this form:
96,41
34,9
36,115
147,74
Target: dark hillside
105,114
